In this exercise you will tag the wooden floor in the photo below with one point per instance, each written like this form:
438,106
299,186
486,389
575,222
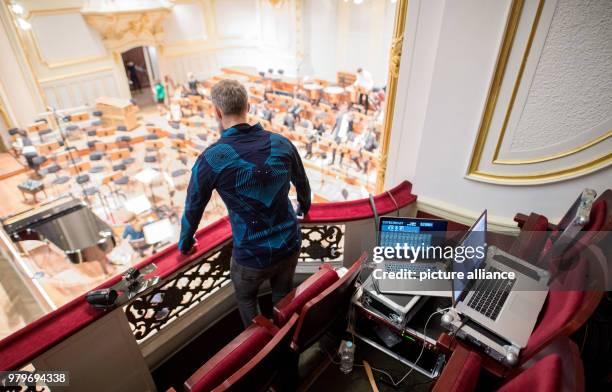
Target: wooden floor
9,166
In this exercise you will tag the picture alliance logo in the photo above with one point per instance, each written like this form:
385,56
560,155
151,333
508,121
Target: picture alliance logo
458,254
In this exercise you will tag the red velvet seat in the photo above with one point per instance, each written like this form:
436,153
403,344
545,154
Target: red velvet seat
309,289
319,313
251,359
567,308
561,370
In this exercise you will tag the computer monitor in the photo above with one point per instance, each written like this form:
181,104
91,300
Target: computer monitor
413,232
475,236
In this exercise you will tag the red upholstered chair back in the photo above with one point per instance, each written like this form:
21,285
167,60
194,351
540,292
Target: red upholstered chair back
559,370
319,313
461,372
565,311
229,359
544,376
259,373
310,288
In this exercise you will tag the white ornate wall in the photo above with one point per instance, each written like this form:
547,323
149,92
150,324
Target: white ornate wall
455,97
71,54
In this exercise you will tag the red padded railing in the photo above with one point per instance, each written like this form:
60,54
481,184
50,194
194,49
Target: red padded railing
25,344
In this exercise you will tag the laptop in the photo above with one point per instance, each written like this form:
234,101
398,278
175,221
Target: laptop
508,308
413,232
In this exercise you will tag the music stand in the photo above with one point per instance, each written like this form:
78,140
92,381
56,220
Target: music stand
147,176
158,231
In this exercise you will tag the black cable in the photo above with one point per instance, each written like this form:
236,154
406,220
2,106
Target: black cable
397,209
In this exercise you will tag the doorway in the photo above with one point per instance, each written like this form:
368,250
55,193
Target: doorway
142,70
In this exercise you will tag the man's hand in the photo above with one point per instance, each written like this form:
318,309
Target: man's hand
192,250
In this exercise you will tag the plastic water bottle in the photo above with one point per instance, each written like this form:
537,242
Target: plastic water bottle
347,356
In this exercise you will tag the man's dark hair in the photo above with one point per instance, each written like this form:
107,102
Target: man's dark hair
230,97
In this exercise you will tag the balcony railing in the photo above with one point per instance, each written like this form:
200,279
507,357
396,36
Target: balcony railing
192,292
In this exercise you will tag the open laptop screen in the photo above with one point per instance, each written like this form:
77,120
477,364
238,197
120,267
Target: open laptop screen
475,236
413,232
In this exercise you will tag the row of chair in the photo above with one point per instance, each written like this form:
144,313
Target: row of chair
550,361
252,361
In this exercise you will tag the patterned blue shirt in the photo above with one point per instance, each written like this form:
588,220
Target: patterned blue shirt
251,169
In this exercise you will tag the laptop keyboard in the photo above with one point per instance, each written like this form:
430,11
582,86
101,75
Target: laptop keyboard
490,295
416,267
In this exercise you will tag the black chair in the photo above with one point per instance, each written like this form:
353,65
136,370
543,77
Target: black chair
91,191
122,180
92,143
51,169
43,133
178,173
121,128
91,133
97,113
151,136
96,156
119,166
82,179
150,158
128,160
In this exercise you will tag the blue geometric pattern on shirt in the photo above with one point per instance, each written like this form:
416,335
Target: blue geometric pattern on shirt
220,156
239,228
261,183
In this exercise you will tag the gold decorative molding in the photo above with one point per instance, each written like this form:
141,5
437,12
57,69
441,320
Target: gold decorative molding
547,176
498,76
120,28
562,154
395,56
474,171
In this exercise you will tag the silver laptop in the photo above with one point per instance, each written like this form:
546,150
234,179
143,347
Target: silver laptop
412,232
508,308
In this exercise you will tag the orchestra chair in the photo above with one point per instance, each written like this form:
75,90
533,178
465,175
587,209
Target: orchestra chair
105,132
253,361
44,132
96,156
559,370
316,316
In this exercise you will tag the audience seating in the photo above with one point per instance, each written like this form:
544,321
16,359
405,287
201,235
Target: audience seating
251,361
309,289
561,370
317,315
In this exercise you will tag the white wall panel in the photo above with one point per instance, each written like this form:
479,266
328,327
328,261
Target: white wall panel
236,19
69,92
65,37
466,49
186,23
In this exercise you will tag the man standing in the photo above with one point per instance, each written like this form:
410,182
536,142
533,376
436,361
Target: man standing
251,169
364,84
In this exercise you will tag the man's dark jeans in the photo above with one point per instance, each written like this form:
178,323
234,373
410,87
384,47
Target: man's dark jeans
247,281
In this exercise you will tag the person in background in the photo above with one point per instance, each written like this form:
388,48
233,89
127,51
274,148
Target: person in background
133,229
160,95
343,132
132,71
364,84
192,84
252,170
